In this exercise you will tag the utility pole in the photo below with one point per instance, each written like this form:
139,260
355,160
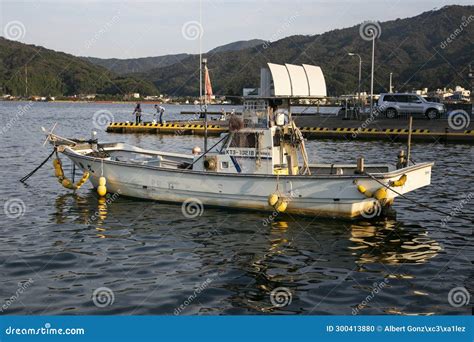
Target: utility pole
471,77
26,80
391,88
360,76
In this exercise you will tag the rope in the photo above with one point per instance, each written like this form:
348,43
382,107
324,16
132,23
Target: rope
32,172
202,155
418,203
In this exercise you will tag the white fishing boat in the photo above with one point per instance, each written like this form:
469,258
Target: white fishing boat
260,164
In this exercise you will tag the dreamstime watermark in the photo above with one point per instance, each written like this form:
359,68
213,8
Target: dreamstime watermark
268,220
102,297
278,34
456,210
376,288
14,30
103,30
370,30
109,199
21,111
371,211
281,296
452,37
192,30
196,116
459,296
46,330
22,287
102,118
192,208
375,113
193,296
459,119
14,208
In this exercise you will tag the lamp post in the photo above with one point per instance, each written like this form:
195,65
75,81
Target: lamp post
390,89
374,35
360,75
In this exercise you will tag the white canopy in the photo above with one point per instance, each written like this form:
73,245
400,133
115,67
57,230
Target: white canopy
298,81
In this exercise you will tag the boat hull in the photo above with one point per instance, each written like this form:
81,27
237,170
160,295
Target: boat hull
325,196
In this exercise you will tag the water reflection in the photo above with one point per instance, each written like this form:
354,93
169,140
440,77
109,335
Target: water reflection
390,242
71,207
307,258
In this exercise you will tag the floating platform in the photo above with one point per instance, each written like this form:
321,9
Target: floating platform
392,134
436,134
166,128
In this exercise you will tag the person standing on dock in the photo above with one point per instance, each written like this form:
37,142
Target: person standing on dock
159,111
162,111
138,114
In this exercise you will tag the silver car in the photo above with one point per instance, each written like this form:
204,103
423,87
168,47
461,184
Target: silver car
394,104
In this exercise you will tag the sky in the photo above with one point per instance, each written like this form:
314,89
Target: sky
130,29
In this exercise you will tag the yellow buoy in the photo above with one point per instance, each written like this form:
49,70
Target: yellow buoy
273,199
364,191
102,181
281,205
56,163
381,194
58,172
400,182
66,183
101,190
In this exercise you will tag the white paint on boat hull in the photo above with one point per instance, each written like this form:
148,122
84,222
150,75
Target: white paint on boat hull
330,195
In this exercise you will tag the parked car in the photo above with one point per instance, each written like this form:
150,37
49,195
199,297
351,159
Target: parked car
394,104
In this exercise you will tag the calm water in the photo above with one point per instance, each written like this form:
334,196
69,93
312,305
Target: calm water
153,259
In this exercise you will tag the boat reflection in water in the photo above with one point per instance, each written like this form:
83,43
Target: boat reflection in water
390,243
344,263
81,209
286,265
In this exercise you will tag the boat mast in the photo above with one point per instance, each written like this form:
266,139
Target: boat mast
206,75
200,78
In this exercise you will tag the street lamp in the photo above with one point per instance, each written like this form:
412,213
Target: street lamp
374,35
390,89
360,74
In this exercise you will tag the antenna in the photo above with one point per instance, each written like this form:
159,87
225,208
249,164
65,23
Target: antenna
26,80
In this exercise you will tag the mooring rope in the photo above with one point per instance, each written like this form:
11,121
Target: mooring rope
32,172
418,203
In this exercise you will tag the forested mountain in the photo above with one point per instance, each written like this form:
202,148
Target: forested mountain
433,49
136,65
417,50
239,45
52,73
144,64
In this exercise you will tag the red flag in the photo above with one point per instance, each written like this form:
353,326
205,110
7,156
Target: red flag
207,85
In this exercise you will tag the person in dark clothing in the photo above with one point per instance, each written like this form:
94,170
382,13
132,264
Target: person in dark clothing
138,114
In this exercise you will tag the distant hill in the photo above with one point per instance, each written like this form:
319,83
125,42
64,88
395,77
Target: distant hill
142,65
52,73
414,49
136,65
239,45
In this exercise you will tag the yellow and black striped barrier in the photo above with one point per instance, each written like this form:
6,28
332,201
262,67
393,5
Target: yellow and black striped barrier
165,128
346,133
392,134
